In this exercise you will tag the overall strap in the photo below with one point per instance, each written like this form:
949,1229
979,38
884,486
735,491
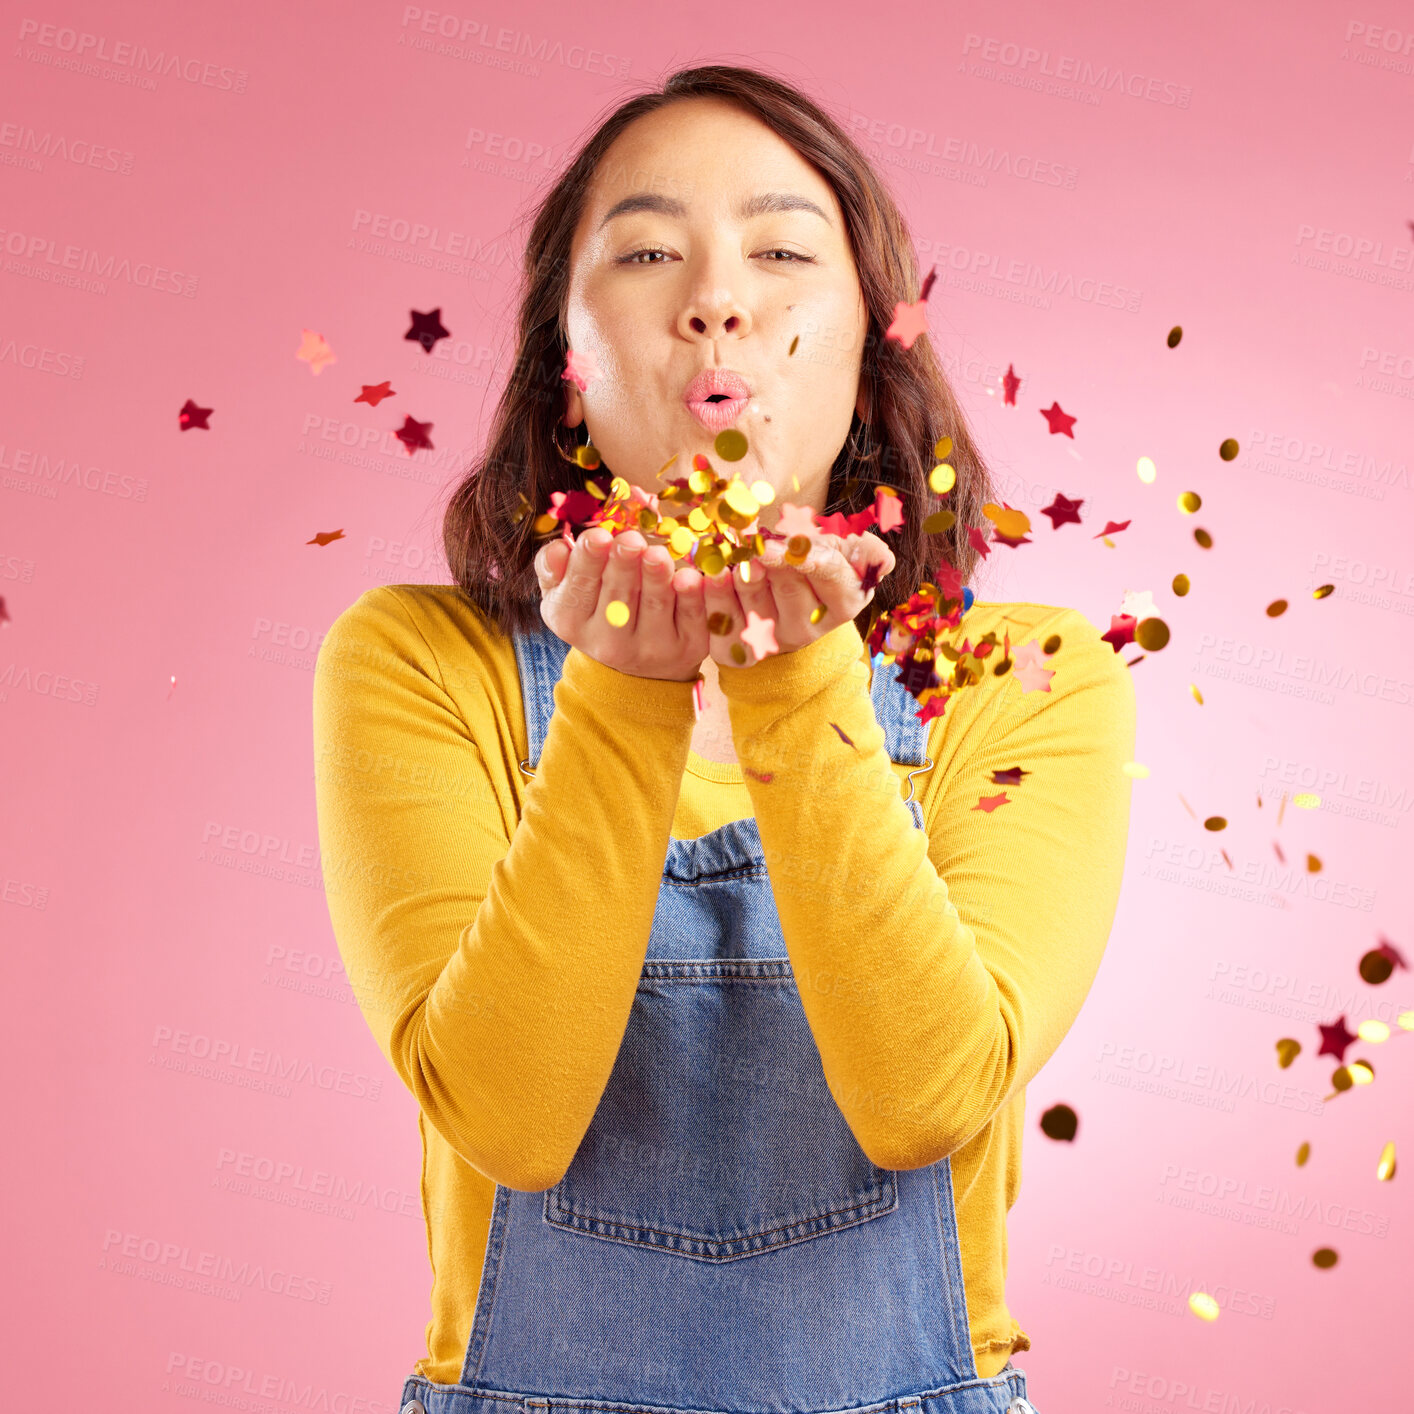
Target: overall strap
540,659
905,737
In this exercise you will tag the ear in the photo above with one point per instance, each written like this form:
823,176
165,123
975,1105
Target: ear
574,404
862,402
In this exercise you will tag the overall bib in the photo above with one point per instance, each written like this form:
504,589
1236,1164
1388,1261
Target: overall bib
720,1243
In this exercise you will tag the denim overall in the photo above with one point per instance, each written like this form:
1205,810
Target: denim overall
720,1241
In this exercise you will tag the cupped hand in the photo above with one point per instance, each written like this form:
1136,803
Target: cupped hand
765,606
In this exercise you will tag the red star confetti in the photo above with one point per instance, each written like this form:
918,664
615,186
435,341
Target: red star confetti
1386,947
427,328
911,320
842,525
193,416
1010,382
989,803
1121,631
413,434
1335,1038
1009,777
795,520
326,537
1058,420
978,537
374,393
581,369
1063,511
315,351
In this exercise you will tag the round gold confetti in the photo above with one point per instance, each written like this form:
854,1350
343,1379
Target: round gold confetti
1013,524
1189,501
588,457
1203,1306
1323,591
1215,822
818,613
738,655
939,522
1372,1031
730,444
616,611
942,449
1151,634
1276,608
1060,1122
1406,1020
942,478
1362,1072
1306,800
1375,967
1313,864
1384,1170
719,623
1051,644
1229,449
1175,334
1302,1154
1181,585
1135,770
793,344
1203,538
797,549
1197,696
763,491
1288,1048
1147,470
1324,1257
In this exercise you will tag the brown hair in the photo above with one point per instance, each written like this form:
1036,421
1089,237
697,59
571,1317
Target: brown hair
490,547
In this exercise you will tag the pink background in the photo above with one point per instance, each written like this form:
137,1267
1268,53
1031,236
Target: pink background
159,866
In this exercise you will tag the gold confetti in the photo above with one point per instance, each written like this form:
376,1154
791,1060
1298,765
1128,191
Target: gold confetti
1181,585
1288,1048
1197,696
1302,1154
942,449
1375,967
1324,1257
1373,1031
763,491
1175,334
939,522
1151,634
1384,1170
1203,1306
1215,822
1135,770
1203,538
942,478
1276,608
1406,1020
1189,501
793,344
1051,645
730,444
1229,449
616,611
1313,864
1307,800
1323,591
1147,470
1013,524
1060,1122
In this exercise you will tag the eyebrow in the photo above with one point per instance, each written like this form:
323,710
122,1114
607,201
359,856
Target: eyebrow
757,205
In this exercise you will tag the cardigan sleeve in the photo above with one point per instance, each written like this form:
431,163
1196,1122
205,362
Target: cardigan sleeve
939,969
495,965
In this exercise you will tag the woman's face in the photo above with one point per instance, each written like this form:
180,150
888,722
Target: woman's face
686,279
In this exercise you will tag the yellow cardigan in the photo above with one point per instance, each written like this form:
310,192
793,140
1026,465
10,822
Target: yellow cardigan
498,982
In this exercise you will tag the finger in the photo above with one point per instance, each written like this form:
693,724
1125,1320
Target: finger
550,562
796,598
656,599
690,608
725,619
577,595
752,584
621,579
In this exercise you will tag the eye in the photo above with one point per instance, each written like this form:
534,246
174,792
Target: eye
632,257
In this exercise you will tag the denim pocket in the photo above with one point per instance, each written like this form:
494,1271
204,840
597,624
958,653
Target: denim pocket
717,1137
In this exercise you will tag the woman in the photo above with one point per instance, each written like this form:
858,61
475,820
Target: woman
720,1025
